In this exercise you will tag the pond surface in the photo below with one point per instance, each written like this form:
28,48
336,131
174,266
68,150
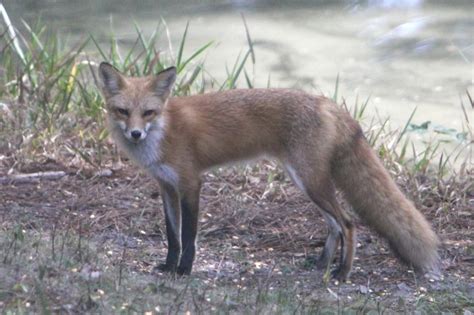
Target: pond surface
402,54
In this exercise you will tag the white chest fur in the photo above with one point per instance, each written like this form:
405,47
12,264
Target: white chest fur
147,154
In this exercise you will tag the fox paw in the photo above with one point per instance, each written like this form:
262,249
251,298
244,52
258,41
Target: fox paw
339,275
166,268
183,271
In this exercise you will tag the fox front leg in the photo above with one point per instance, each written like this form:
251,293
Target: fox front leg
172,208
189,215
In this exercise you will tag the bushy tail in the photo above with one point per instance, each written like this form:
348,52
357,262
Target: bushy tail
374,195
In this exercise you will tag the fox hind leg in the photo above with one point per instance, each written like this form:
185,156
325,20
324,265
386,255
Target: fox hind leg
334,230
331,244
337,220
348,242
321,191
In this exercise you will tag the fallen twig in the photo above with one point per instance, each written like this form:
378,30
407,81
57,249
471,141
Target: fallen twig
27,178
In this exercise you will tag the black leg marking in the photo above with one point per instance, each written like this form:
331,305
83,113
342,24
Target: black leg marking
173,226
188,235
332,241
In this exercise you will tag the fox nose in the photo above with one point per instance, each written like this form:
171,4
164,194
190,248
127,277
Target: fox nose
136,134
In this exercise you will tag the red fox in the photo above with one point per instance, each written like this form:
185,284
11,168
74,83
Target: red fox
175,139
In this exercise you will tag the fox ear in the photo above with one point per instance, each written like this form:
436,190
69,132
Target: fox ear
112,79
163,82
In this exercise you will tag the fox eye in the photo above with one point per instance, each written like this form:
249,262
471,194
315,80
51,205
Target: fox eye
148,113
122,111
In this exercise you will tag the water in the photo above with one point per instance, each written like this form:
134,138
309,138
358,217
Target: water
402,54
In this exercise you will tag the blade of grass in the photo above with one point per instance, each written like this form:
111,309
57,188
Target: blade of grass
181,66
186,86
168,36
247,79
336,89
363,108
101,52
129,55
146,46
35,37
181,46
237,70
249,39
12,32
404,130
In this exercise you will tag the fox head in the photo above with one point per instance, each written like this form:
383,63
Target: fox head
135,104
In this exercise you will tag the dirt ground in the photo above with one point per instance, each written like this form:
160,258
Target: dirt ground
254,226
